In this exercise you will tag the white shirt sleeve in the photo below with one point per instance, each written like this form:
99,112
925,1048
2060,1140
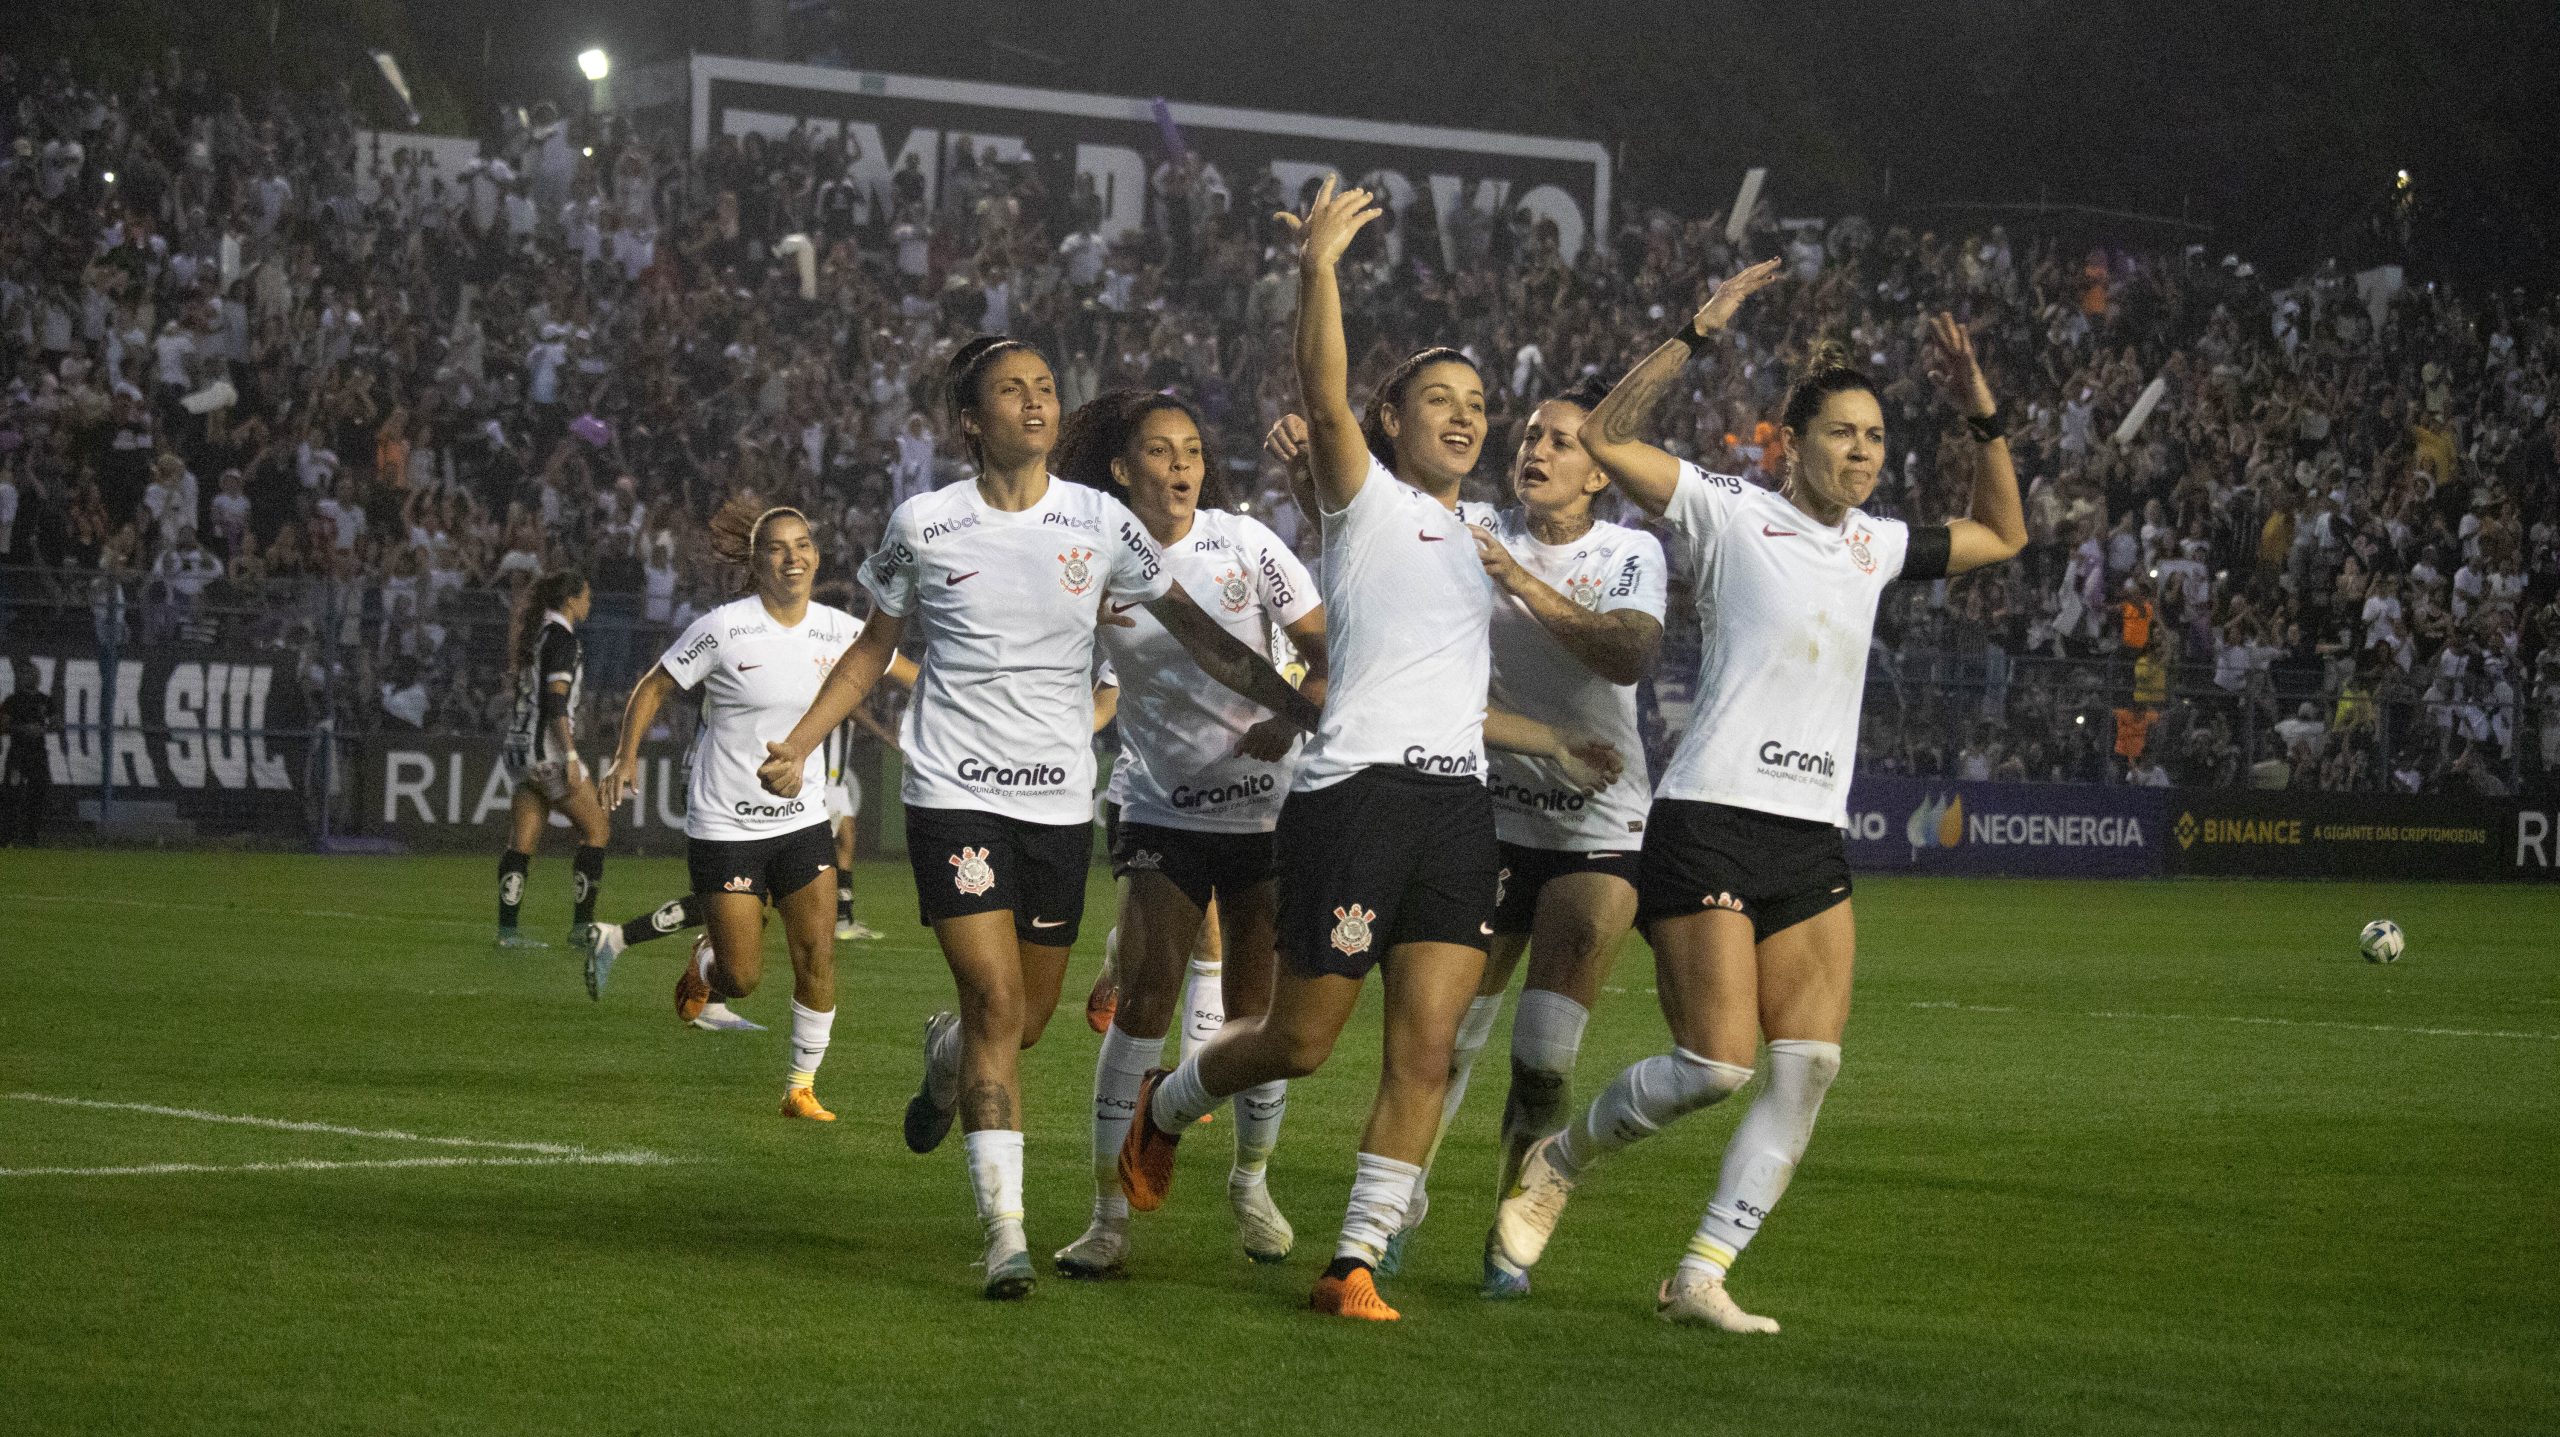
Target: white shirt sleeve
689,659
1641,581
1700,501
1136,567
1288,590
889,575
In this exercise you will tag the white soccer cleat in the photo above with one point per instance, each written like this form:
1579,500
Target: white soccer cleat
715,1017
1530,1211
603,942
1100,1254
1260,1225
1008,1266
854,930
1695,1301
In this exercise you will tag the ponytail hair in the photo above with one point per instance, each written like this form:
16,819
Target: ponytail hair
1390,391
1826,372
1102,429
739,523
962,376
524,626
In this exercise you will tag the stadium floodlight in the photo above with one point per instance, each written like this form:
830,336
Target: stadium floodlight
594,64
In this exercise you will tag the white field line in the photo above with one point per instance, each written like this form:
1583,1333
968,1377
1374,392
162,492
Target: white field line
318,1165
2251,1020
100,900
554,1152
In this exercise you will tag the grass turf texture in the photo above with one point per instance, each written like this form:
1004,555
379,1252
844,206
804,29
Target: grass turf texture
2269,1203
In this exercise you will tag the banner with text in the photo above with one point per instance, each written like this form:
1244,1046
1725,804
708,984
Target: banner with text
218,736
2249,834
1119,141
2049,830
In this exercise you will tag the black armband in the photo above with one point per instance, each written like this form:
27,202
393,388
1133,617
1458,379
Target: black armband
1925,556
555,704
1986,427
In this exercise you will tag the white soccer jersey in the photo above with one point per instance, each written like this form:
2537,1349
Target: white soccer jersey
1002,718
1612,567
1406,603
1786,607
757,678
1178,767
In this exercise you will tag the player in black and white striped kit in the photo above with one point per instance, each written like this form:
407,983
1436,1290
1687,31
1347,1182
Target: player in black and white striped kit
1744,888
1004,578
542,751
1386,842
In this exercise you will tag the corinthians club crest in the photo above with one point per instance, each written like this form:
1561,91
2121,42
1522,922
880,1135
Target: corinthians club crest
1351,928
971,873
1075,571
1233,594
1583,590
1859,549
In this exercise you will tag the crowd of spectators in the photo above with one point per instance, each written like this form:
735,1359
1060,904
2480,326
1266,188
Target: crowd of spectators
271,381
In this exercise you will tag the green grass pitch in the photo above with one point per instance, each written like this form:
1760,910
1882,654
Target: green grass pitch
2103,1158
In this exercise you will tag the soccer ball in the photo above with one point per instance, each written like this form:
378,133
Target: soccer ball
2381,941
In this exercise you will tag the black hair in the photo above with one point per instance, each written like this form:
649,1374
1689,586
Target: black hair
966,371
540,597
1827,372
1101,430
1585,396
1390,391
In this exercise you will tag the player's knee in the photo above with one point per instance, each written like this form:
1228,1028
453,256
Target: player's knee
1813,1064
1693,1082
1299,1054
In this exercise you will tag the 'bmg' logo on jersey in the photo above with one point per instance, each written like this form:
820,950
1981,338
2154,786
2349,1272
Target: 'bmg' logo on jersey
1075,571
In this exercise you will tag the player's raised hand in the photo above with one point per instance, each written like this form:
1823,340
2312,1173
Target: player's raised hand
1954,369
780,774
1287,442
1728,295
1326,229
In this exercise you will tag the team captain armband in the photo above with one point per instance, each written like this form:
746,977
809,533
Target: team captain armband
1925,557
555,704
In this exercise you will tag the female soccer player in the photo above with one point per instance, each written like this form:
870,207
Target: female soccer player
758,660
1197,789
1386,843
542,750
1005,577
1581,621
1744,889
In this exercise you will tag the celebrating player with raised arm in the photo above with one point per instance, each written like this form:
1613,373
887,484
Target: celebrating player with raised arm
542,750
1386,844
1003,577
1578,625
1197,788
1744,888
758,660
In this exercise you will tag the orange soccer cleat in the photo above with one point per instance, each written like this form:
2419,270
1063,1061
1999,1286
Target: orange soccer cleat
1355,1295
1146,1155
693,991
803,1103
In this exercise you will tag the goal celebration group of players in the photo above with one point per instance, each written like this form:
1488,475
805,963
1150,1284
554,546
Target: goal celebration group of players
1420,760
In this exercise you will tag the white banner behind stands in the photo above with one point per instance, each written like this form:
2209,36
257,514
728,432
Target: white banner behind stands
1117,140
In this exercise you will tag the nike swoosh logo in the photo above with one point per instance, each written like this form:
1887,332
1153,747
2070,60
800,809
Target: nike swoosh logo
1048,923
1124,608
1487,929
956,578
1777,533
742,668
1433,538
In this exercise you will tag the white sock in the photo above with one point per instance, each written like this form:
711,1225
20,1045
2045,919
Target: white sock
1764,1152
1380,1190
1204,1003
1116,1071
809,1032
1641,1101
1546,1038
1258,1113
1182,1099
942,1067
995,1178
1474,1031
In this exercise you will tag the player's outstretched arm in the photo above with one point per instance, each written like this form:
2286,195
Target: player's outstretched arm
1336,455
1614,432
1997,527
1230,660
1589,764
1618,644
622,775
847,685
1269,740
